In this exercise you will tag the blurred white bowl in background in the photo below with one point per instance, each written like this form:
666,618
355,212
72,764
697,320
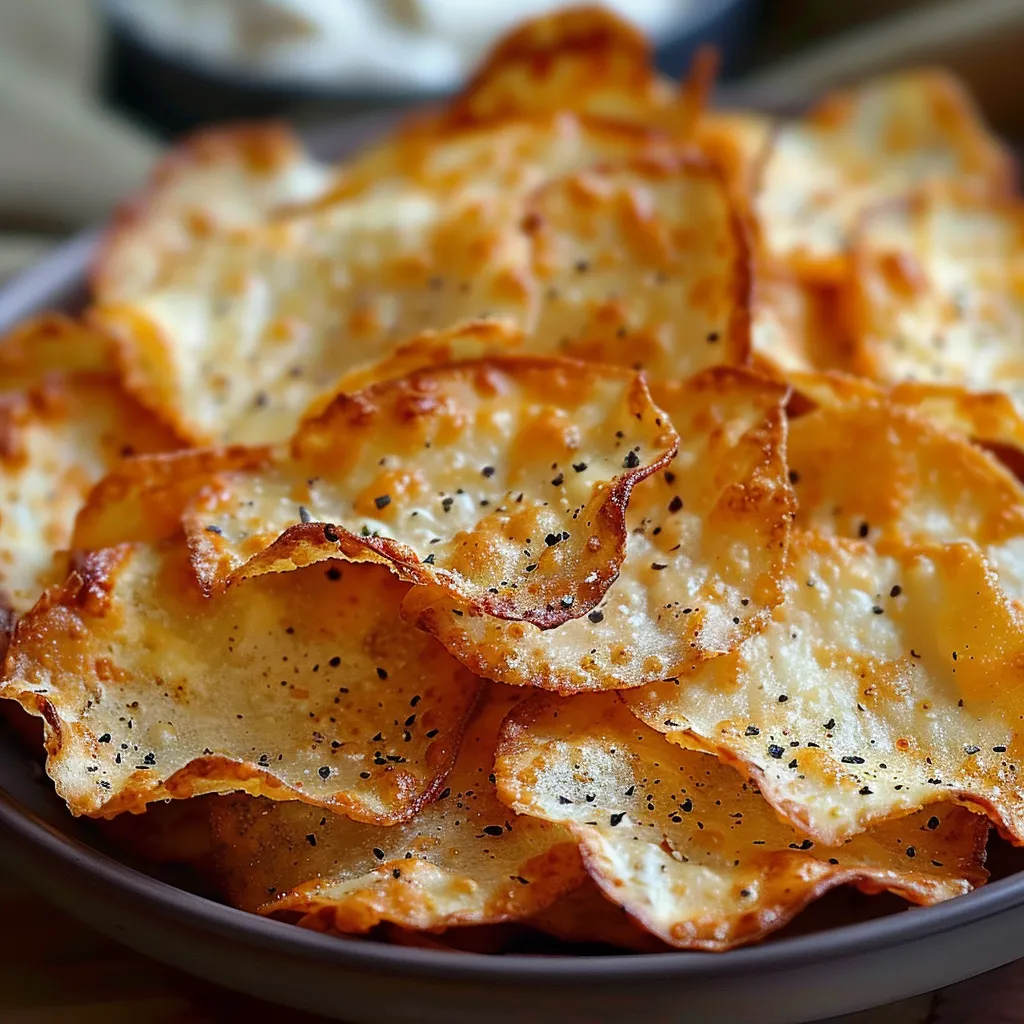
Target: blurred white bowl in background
396,44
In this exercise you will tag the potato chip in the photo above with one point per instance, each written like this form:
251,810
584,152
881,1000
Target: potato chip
884,684
989,418
586,916
142,500
704,563
52,344
868,145
217,179
737,143
503,483
937,293
303,685
477,339
584,59
57,438
796,325
247,328
173,833
687,846
510,157
644,265
465,859
926,485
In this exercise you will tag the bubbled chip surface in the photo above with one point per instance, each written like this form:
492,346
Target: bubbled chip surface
937,293
65,421
705,556
643,265
500,482
297,686
885,683
218,179
862,147
245,329
688,847
466,859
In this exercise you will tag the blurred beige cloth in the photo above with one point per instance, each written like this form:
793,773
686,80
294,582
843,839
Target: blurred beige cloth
65,161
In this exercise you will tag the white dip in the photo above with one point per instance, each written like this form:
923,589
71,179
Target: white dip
379,44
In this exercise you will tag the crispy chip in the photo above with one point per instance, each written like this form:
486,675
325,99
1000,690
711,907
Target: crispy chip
663,286
737,143
897,645
988,417
586,59
475,340
502,483
926,484
586,915
142,500
465,859
704,565
885,683
796,325
511,157
247,328
871,144
645,265
937,292
217,179
295,686
64,421
687,846
52,344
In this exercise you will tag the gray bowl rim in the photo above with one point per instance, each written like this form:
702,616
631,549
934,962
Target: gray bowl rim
48,283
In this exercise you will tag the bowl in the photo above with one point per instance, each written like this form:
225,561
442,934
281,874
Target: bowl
807,973
174,92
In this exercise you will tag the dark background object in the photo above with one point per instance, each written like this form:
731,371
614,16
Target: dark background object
172,93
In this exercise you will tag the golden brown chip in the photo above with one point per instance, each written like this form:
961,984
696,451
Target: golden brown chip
301,685
503,483
936,293
864,146
57,438
478,339
510,157
797,326
687,846
987,417
584,59
586,915
644,265
52,344
217,179
247,328
737,143
142,500
173,832
465,859
704,563
920,484
885,683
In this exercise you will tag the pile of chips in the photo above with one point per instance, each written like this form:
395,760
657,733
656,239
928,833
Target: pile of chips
582,509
